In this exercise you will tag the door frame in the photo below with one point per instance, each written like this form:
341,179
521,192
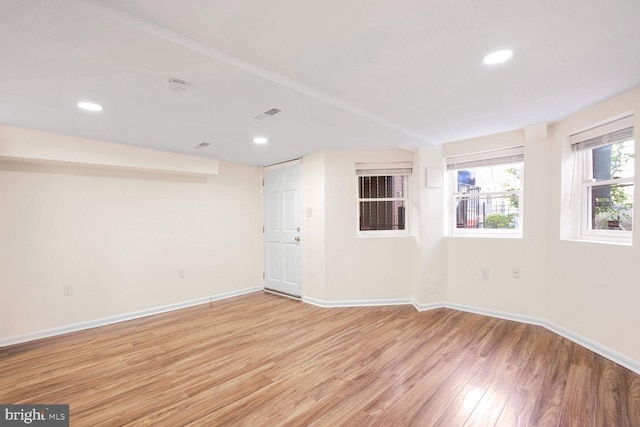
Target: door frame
264,234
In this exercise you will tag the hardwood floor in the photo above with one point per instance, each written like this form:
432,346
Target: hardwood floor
264,360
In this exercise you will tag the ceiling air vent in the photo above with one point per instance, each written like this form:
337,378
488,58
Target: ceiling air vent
268,113
177,86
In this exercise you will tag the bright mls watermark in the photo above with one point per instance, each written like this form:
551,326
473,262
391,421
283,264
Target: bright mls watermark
34,415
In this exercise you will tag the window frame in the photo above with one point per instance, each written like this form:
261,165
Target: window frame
403,169
586,229
506,156
582,145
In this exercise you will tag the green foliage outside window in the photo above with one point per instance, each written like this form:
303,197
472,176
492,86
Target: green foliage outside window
502,221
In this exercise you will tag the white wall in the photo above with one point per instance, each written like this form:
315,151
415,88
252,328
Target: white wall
466,256
20,144
355,268
593,288
119,238
313,193
428,206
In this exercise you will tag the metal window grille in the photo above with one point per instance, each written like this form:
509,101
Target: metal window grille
382,202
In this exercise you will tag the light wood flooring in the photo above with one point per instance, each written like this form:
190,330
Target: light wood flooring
264,360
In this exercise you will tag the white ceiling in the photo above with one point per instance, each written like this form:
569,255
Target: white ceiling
346,74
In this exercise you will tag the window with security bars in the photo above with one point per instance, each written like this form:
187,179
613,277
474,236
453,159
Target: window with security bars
383,197
486,192
604,179
382,200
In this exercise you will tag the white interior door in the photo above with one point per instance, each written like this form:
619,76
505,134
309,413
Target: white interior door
282,228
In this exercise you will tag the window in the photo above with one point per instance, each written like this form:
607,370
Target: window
604,179
382,198
486,192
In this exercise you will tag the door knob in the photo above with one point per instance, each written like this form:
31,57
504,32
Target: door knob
297,239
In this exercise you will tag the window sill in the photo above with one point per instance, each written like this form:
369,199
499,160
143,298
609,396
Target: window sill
601,240
487,235
383,235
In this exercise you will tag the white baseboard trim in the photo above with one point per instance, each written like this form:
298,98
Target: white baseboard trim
498,314
614,356
4,342
603,351
357,303
429,306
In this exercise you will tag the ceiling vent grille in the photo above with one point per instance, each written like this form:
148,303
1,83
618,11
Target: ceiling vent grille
177,86
269,113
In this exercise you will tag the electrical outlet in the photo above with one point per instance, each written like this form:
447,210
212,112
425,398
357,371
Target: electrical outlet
68,290
515,272
484,273
181,273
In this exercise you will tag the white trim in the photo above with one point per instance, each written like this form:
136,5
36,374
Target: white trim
620,241
293,164
487,233
17,339
282,294
374,234
587,343
282,165
358,303
405,199
586,202
428,306
498,314
603,351
454,197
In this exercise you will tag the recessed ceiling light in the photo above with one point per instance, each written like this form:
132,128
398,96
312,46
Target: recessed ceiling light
497,57
260,140
89,106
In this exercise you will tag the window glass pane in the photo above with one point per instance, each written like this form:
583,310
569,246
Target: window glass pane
490,178
612,207
613,161
601,205
488,197
377,187
488,211
384,215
